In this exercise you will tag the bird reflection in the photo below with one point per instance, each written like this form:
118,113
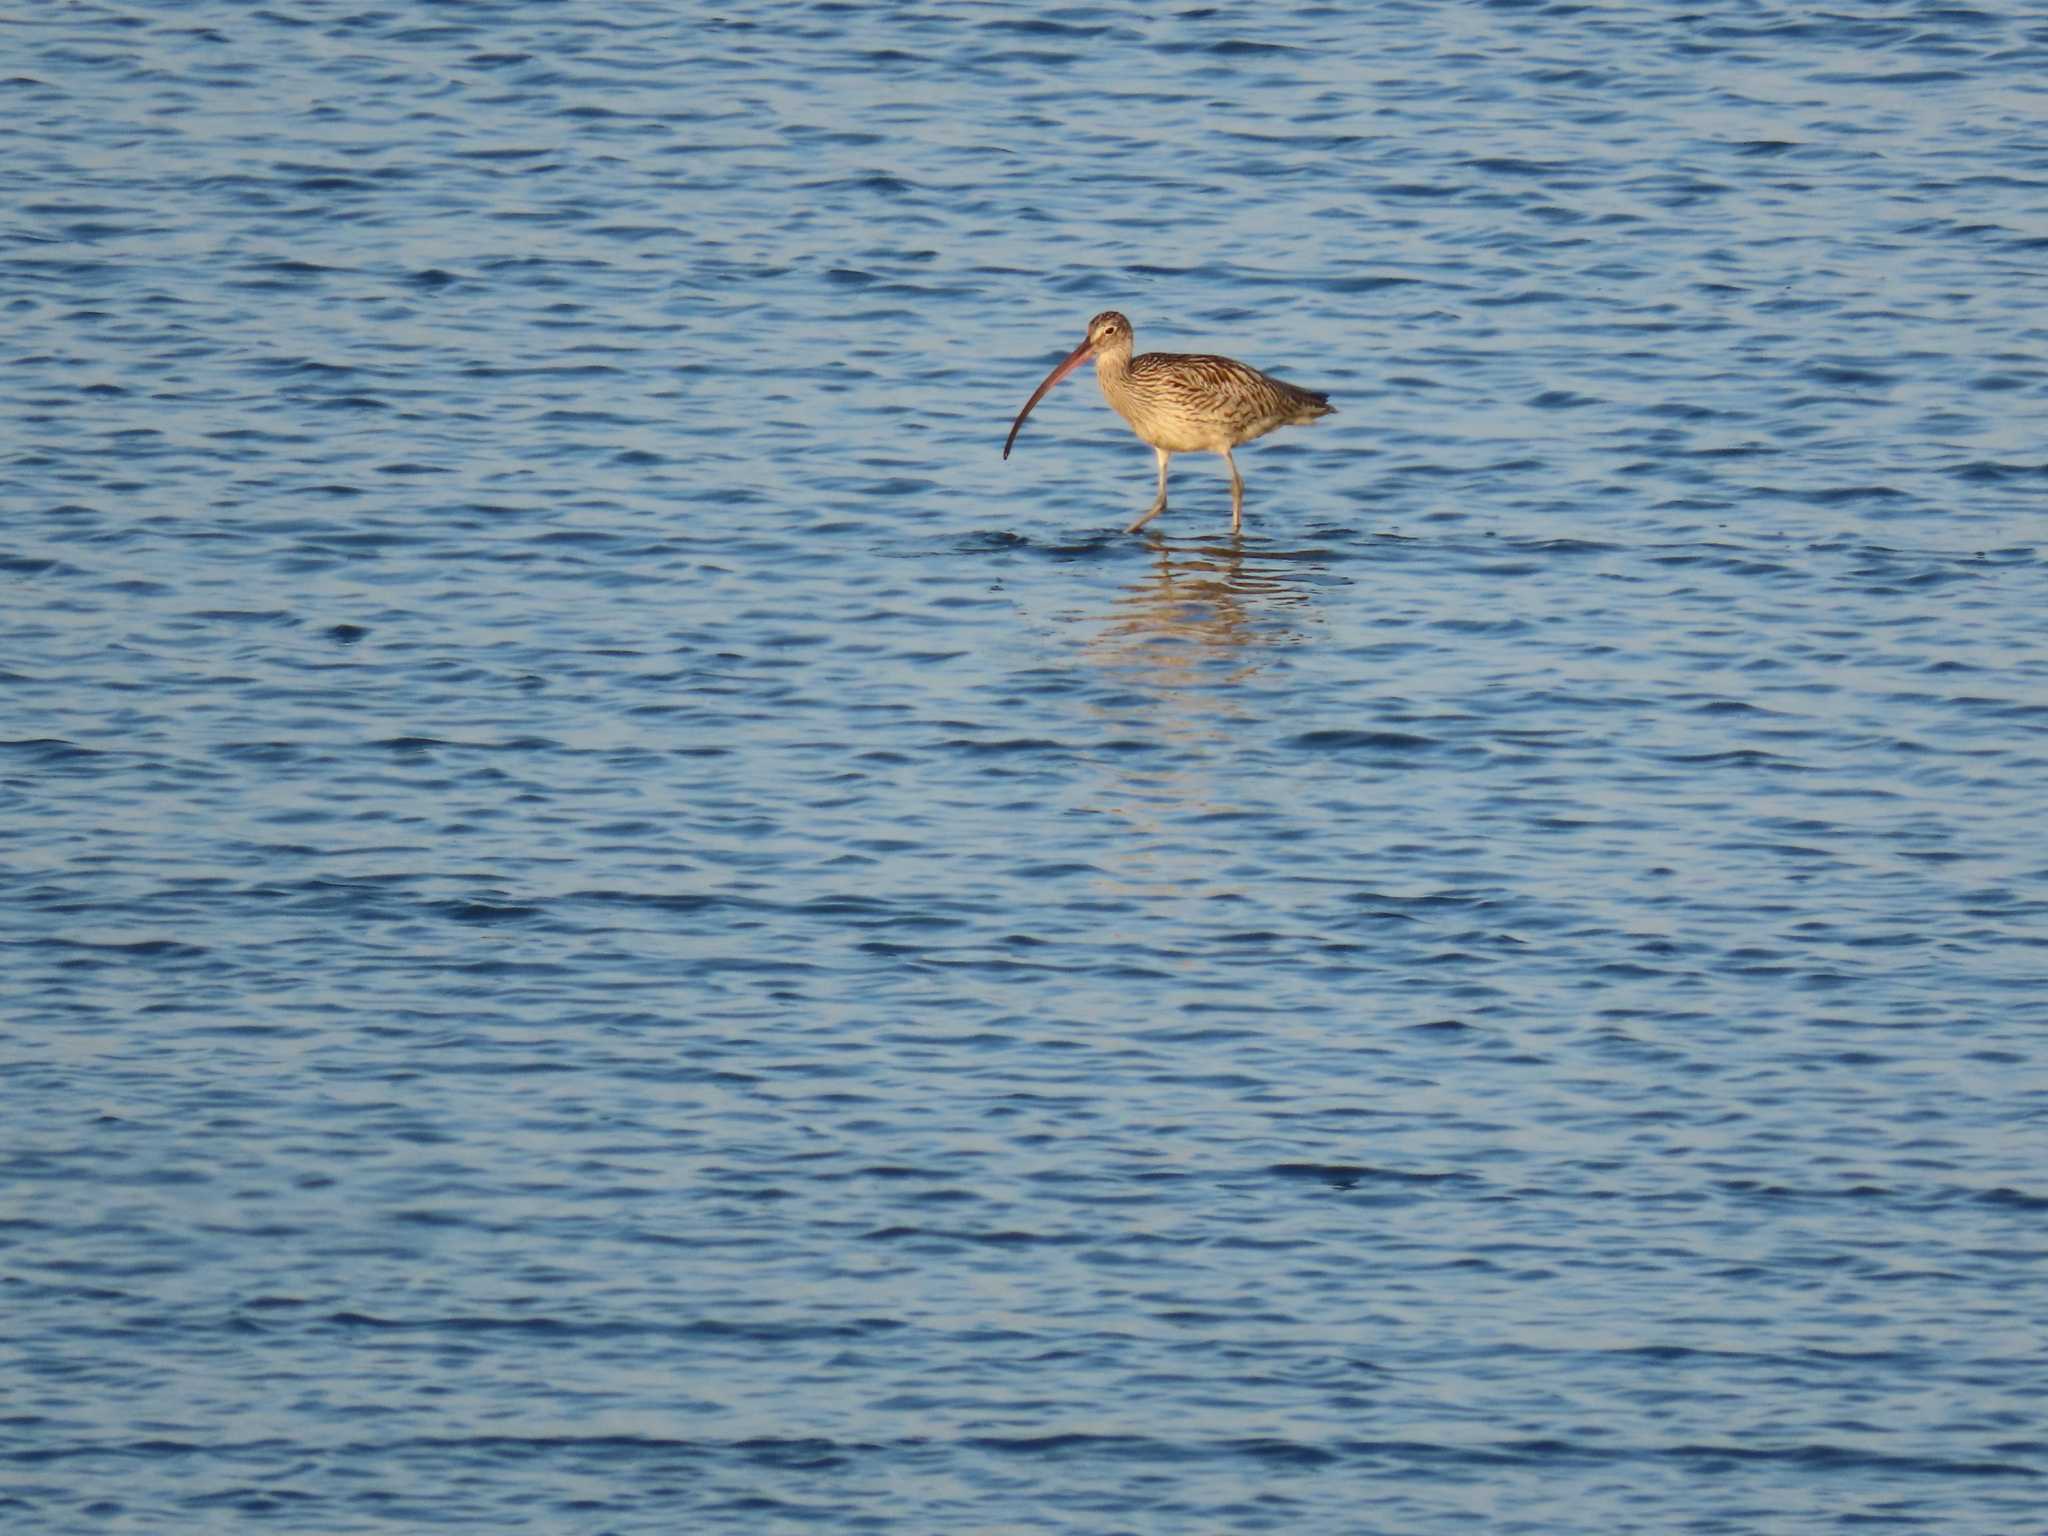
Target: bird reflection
1206,614
1181,651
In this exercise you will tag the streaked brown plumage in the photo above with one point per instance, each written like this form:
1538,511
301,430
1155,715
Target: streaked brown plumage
1183,403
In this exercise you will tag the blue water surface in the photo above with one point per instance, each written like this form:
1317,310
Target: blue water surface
610,924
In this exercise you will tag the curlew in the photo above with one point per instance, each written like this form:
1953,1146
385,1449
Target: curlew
1181,403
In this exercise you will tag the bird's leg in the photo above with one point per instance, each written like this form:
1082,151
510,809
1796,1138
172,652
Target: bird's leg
1158,506
1236,494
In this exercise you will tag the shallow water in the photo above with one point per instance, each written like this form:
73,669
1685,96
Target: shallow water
614,925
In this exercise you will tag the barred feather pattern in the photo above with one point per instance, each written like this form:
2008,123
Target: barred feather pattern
1192,402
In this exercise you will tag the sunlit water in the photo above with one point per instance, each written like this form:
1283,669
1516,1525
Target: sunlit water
613,925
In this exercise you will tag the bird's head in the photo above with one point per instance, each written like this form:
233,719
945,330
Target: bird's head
1109,335
1109,332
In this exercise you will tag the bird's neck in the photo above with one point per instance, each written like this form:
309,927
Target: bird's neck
1111,369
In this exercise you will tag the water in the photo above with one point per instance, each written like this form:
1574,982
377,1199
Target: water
613,925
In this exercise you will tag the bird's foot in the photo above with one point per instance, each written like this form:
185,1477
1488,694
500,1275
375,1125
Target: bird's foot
1156,508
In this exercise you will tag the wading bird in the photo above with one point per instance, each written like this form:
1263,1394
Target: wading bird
1183,404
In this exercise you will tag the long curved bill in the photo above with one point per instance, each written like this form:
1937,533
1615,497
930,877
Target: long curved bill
1079,356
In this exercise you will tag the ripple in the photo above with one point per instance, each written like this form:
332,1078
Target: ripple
613,925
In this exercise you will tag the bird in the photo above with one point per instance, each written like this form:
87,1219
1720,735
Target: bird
1183,403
